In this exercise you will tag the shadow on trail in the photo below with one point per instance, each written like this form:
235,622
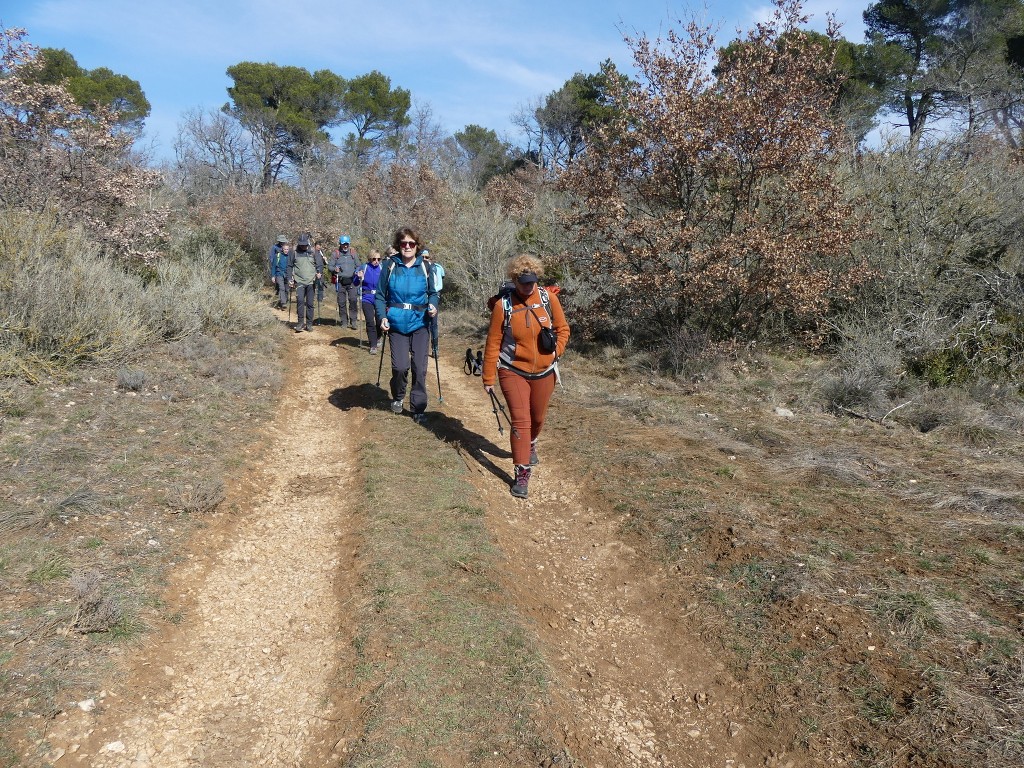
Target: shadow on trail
349,341
447,428
365,395
452,430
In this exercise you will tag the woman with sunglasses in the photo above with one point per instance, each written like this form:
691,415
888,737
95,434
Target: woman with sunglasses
515,358
367,277
405,301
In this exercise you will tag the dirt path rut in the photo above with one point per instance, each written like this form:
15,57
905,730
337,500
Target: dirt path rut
633,684
244,679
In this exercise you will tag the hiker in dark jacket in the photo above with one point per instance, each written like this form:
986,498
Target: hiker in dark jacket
278,264
405,301
304,267
319,252
367,278
343,266
514,358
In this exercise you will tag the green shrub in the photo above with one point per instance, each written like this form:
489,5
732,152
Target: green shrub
62,303
241,268
197,296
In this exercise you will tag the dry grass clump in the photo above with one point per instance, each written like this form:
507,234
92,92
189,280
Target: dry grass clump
852,390
196,296
828,466
197,499
61,302
94,611
131,380
952,413
25,516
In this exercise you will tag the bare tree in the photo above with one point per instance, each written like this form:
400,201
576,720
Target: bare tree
213,152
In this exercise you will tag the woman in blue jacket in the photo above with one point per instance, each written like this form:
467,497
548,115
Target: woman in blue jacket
367,277
406,300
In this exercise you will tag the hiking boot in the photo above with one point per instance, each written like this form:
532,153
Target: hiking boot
352,326
419,418
396,406
309,328
534,458
373,350
298,329
519,487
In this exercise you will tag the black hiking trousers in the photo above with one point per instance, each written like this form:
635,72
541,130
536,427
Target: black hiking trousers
410,350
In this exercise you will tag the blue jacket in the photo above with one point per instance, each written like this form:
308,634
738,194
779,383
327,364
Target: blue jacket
368,285
278,262
403,296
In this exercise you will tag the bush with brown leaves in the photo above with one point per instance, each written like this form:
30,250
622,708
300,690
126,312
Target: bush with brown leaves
712,201
69,162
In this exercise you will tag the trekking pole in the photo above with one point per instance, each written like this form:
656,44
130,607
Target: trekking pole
288,293
319,288
496,406
380,365
360,324
437,368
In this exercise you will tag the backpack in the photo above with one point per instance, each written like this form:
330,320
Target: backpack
474,366
547,340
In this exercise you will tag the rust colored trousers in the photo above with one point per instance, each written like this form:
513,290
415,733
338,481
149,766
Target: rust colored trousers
527,403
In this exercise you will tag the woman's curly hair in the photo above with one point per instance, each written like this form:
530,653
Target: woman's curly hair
524,262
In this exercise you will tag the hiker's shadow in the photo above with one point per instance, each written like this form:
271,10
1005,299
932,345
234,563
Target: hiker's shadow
447,428
348,341
365,395
482,450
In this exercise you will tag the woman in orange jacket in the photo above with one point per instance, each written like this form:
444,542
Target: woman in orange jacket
522,357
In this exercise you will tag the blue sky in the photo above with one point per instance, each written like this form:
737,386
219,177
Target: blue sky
469,61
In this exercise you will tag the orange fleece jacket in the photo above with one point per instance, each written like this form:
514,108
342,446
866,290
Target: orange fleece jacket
521,335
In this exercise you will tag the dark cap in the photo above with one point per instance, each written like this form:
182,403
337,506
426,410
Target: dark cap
527,277
303,241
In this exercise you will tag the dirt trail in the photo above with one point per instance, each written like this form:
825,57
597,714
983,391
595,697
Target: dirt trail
243,680
633,685
246,678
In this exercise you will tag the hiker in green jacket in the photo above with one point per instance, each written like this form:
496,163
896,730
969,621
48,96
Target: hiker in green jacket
305,267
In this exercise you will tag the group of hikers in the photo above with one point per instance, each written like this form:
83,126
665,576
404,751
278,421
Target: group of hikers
399,297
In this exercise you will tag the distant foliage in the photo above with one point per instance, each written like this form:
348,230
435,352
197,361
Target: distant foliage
64,304
388,197
948,252
711,200
58,156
